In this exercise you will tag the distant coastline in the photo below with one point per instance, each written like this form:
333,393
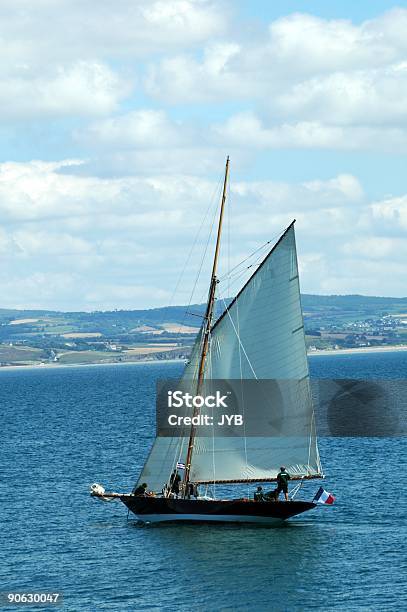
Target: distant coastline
333,325
360,349
319,352
58,366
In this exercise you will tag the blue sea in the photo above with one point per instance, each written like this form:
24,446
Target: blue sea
64,428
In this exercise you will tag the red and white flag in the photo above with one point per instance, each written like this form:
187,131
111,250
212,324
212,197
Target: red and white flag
323,497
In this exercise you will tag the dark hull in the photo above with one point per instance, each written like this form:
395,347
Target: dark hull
158,509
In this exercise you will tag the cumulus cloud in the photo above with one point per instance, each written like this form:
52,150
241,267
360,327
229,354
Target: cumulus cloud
376,247
67,59
391,213
297,48
119,29
326,45
247,129
72,241
137,129
374,96
84,88
150,106
308,82
109,239
184,78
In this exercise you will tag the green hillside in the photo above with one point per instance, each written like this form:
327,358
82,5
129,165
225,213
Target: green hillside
32,336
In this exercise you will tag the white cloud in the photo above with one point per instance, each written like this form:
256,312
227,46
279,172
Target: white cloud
316,83
135,231
84,88
344,187
358,275
36,242
68,58
137,129
113,229
48,31
367,97
38,289
391,213
298,48
138,141
184,79
376,247
326,45
247,130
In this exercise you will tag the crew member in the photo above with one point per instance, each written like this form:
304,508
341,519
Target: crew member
259,495
192,490
175,479
140,490
282,483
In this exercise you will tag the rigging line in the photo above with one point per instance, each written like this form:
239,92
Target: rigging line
213,431
210,206
296,489
265,244
238,337
298,400
235,278
242,397
239,272
239,269
228,224
311,428
176,459
238,275
203,258
186,262
198,275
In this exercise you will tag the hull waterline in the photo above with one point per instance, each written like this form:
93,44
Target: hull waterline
157,510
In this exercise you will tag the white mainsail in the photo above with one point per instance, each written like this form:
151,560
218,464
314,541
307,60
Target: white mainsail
259,336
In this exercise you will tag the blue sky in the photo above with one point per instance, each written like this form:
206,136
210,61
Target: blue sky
356,12
115,125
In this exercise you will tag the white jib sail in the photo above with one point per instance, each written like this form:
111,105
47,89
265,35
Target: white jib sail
261,336
166,451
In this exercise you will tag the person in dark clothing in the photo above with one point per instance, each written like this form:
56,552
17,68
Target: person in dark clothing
259,495
271,495
140,490
282,483
175,479
192,490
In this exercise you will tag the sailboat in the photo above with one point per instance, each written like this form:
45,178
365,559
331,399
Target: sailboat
259,336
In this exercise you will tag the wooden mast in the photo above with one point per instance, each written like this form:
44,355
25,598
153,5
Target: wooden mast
207,326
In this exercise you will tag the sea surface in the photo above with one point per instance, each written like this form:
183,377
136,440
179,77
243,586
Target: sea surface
64,428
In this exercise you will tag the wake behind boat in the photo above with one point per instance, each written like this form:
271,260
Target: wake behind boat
259,337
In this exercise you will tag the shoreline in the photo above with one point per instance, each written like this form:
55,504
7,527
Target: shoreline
321,352
359,350
58,366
